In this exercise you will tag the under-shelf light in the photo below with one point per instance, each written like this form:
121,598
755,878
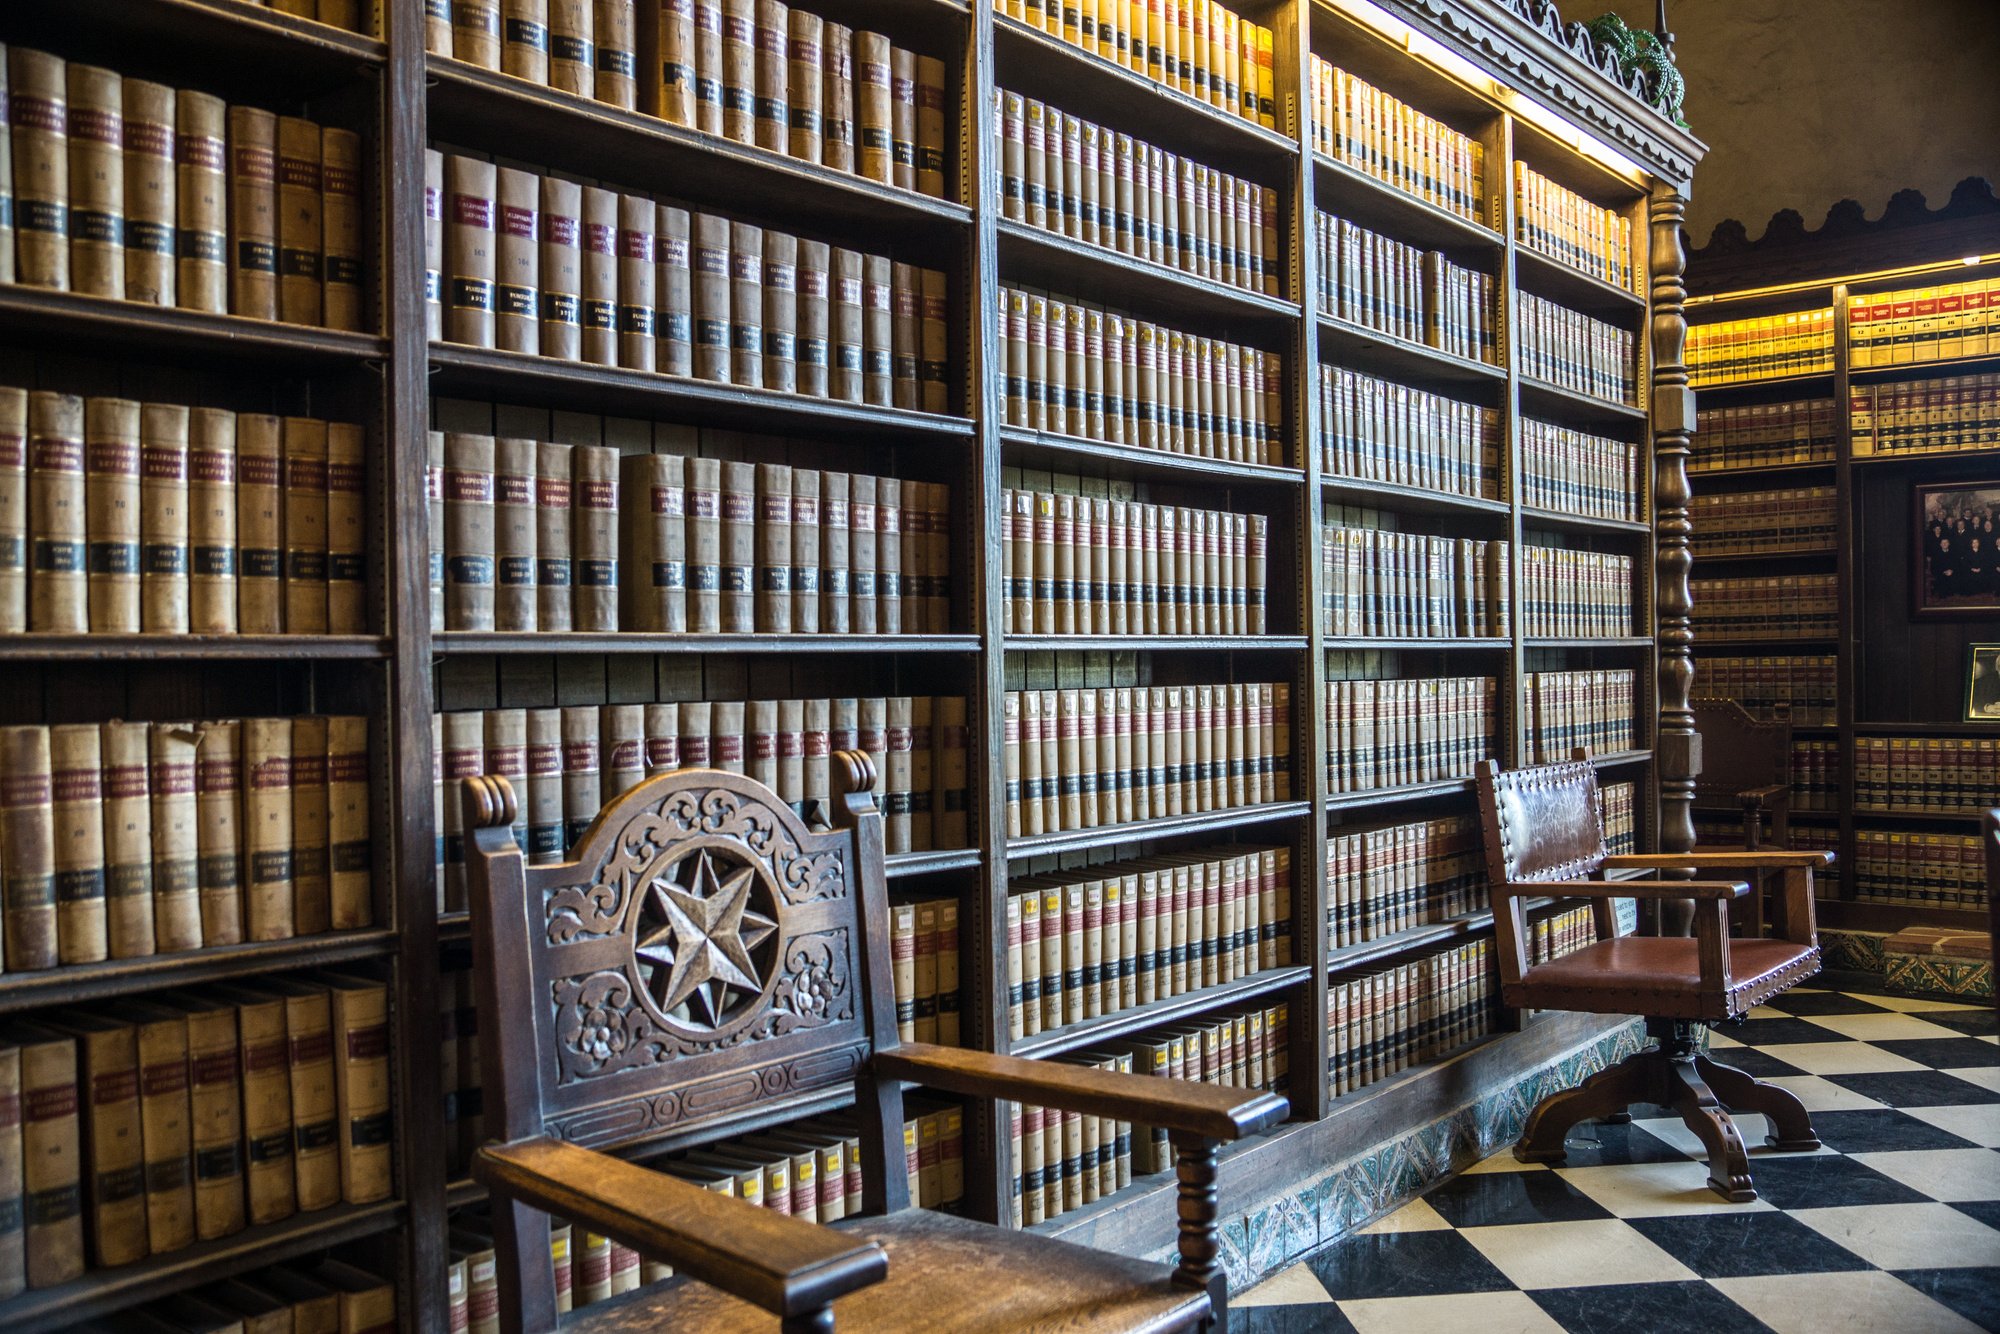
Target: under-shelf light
1850,280
1375,17
1435,53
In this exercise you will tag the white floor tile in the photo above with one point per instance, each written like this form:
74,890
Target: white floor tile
1912,1005
1823,1095
1653,1190
1860,1302
1882,1027
1978,1122
1504,1161
1838,1058
1584,1254
1907,1236
1416,1216
1986,1076
1942,1174
1486,1312
1289,1287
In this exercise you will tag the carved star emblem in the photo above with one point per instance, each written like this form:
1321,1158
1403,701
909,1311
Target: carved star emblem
698,940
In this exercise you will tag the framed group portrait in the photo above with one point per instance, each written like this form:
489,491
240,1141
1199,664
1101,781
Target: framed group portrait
1956,563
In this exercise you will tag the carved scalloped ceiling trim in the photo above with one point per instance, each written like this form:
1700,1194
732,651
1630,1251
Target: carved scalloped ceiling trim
1527,44
1847,220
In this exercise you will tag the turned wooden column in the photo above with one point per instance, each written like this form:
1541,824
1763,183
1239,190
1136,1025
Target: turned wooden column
1678,749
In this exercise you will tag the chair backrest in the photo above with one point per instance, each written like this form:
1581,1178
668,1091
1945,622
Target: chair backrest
1541,823
1737,752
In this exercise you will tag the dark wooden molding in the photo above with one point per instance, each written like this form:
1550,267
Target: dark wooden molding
1847,240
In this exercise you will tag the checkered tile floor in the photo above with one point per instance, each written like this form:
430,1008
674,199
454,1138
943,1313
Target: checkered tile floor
1893,1226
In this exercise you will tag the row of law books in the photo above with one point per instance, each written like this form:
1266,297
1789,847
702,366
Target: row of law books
1598,709
1091,565
585,47
1372,131
923,949
1713,832
1377,282
136,191
1212,54
544,265
1065,1160
1379,1024
1815,771
1581,473
1080,370
1088,758
147,1126
1763,347
1944,416
1399,731
1551,937
1764,435
1377,430
566,763
1734,523
1412,585
121,517
1397,877
1957,773
1574,351
329,1295
1093,184
1794,688
1553,220
1767,607
1575,594
531,536
1924,324
124,839
1931,870
1100,939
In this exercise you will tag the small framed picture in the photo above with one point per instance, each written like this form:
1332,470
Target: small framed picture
1982,683
1956,566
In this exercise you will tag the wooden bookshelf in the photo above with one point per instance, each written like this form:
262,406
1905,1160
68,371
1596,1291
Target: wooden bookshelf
400,385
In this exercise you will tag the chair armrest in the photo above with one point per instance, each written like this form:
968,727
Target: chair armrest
785,1265
1773,859
1759,796
1718,890
1206,1110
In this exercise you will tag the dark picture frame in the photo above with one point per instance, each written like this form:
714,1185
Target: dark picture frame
1982,683
1955,549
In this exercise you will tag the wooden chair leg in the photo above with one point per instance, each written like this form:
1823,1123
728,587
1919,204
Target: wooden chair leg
1195,1162
1791,1126
1605,1094
814,1322
1688,1095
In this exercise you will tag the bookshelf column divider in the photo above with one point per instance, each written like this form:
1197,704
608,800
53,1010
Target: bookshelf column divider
1677,746
1513,697
1846,570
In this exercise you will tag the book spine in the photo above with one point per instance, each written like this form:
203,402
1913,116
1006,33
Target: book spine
360,1015
471,259
300,228
305,600
739,69
215,1119
253,213
174,848
164,519
346,539
219,832
581,782
572,47
128,839
148,144
350,896
781,311
270,880
770,104
524,39
13,502
517,314
594,537
96,181
76,795
312,910
259,524
638,284
903,117
162,1057
653,594
746,304
616,29
27,849
211,520
738,568
674,317
38,113
552,537
112,513
774,548
433,244
269,1175
315,1128
711,298
514,595
51,1154
600,276
469,541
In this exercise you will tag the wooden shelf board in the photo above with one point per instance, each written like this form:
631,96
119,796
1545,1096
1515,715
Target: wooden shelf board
1208,822
1442,643
1038,64
1428,936
102,1291
1808,384
1764,469
1351,345
1070,1037
1414,499
1588,641
1927,456
1582,523
485,109
463,643
1783,643
1155,643
1385,796
73,983
514,377
1548,277
1928,729
1732,557
1023,446
221,648
1072,268
1618,758
1924,370
1569,407
1965,815
171,333
1362,198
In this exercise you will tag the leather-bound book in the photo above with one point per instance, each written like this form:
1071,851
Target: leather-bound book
148,145
746,304
305,526
218,789
312,907
112,512
343,297
260,534
514,595
704,545
51,1154
470,257
710,277
524,39
201,202
771,105
781,311
903,117
507,757
552,537
739,547
931,123
517,317
253,213
773,573
128,839
175,846
543,797
837,97
873,103
475,32
433,244
616,25
600,276
349,853
583,792
622,749
58,599
269,877
346,536
38,115
215,1113
805,553
638,285
360,1014
301,289
211,510
804,83
469,533
263,1057
113,1143
594,537
673,41
652,539
561,255
96,181
674,316
13,503
77,824
164,518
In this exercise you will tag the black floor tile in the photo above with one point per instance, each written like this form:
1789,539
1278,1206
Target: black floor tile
1317,1318
1746,1244
1823,1002
1754,1063
1825,1181
1770,1032
1945,1053
1495,1199
1973,1293
1986,1211
1917,1088
1973,1023
1405,1264
1884,1131
1657,1308
1594,1144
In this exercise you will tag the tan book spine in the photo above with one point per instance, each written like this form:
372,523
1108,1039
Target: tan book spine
201,201
837,97
848,326
514,595
781,312
746,304
836,580
128,839
517,314
805,553
96,181
315,1127
811,342
931,126
862,549
572,47
461,753
704,545
903,117
164,520
739,548
674,317
652,541
505,755
348,851
708,66
949,800
211,517
270,1179
7,275
38,112
805,83
791,752
175,849
470,256
312,890
469,532
218,789
524,39
638,285
148,144
890,557
711,297
552,537
434,522
582,777
600,276
677,61
771,105
560,255
305,526
300,227
76,795
361,1084
934,366
27,849
616,23
896,779
594,537
346,538
112,512
878,331
905,333
260,538
774,548
475,32
269,882
253,213
51,1157
739,70
623,749
162,1054
433,244
874,117
13,501
760,741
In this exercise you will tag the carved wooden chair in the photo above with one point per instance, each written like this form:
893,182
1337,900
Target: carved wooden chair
1544,832
704,966
1746,771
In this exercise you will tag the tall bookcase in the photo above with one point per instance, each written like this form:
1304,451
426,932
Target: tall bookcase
1897,675
1512,75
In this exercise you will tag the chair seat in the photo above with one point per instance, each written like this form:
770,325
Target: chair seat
1661,976
945,1273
